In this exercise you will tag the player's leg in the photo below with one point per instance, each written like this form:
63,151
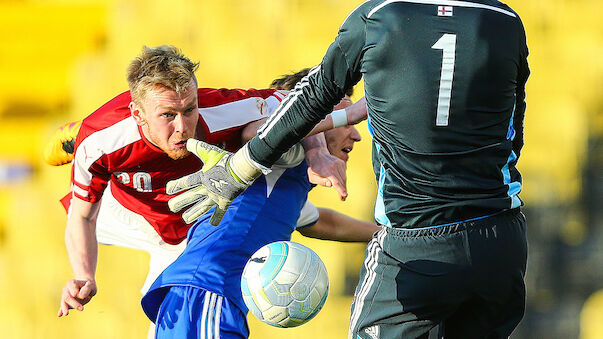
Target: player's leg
190,312
410,282
499,252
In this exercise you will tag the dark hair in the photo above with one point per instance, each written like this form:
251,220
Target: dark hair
288,81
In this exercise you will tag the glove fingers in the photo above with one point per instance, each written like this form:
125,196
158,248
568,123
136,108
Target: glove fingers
178,202
184,183
197,210
209,154
217,216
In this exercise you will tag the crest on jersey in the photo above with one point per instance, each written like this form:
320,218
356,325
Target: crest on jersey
444,10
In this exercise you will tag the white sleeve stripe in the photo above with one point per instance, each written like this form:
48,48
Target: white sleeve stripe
232,114
272,103
444,3
105,141
280,95
80,191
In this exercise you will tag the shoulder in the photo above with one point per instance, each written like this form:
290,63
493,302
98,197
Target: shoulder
210,97
93,144
112,112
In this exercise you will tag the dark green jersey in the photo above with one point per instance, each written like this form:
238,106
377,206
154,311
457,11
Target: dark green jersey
445,88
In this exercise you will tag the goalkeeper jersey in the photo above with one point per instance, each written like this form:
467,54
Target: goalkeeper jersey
445,86
110,147
214,258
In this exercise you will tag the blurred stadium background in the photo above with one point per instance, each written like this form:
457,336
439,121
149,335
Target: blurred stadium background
61,59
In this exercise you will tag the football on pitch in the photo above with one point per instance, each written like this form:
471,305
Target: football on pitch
284,284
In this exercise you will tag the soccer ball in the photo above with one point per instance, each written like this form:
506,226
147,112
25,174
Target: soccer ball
284,284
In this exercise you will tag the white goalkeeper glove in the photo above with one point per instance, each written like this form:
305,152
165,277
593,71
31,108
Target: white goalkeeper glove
222,178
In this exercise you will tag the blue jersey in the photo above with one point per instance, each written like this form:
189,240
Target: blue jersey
214,257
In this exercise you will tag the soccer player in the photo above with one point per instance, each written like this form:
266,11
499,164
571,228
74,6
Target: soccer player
199,295
445,90
129,148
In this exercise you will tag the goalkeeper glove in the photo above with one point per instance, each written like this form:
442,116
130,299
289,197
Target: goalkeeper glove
222,178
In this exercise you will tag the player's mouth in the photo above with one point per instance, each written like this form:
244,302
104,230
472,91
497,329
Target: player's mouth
180,144
346,149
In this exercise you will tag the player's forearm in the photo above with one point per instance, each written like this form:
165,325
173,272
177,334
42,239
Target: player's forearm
332,225
82,248
295,118
347,228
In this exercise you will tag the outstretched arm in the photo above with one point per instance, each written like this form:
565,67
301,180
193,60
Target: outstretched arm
332,225
82,248
350,115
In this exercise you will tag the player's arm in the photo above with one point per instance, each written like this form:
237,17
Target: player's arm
350,115
332,225
316,94
520,93
82,249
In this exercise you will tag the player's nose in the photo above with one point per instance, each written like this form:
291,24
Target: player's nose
354,134
179,124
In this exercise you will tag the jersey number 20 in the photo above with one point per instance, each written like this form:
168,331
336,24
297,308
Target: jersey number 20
447,43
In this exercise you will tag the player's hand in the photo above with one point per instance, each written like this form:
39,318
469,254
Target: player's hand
222,178
356,112
327,170
76,294
196,196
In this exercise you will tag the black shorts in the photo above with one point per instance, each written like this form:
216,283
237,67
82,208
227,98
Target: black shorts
463,280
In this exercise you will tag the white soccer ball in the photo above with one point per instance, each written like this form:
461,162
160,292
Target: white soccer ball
285,284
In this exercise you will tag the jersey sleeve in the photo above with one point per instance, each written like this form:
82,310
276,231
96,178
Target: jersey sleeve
89,172
316,94
520,92
225,112
308,216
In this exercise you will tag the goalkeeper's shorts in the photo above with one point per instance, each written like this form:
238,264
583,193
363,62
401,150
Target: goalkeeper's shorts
194,313
462,280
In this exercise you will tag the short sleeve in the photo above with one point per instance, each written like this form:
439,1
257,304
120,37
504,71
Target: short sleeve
308,216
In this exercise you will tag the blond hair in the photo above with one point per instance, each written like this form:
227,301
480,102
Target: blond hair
163,66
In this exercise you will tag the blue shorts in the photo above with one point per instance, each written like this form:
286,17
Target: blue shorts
195,313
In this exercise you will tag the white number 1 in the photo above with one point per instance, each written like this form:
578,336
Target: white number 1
447,43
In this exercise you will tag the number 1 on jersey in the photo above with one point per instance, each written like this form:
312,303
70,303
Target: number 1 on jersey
447,43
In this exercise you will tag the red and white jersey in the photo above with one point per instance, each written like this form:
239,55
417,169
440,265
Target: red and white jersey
110,147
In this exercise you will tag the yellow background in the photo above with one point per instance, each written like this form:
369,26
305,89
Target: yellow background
62,59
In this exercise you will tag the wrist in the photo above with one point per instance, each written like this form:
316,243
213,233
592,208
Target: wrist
340,118
244,168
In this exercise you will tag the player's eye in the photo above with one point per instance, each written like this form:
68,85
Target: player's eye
168,115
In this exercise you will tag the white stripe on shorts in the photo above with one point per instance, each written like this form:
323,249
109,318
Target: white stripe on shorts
210,317
204,314
370,263
217,317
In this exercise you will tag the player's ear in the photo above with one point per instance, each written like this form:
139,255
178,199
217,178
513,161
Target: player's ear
137,113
